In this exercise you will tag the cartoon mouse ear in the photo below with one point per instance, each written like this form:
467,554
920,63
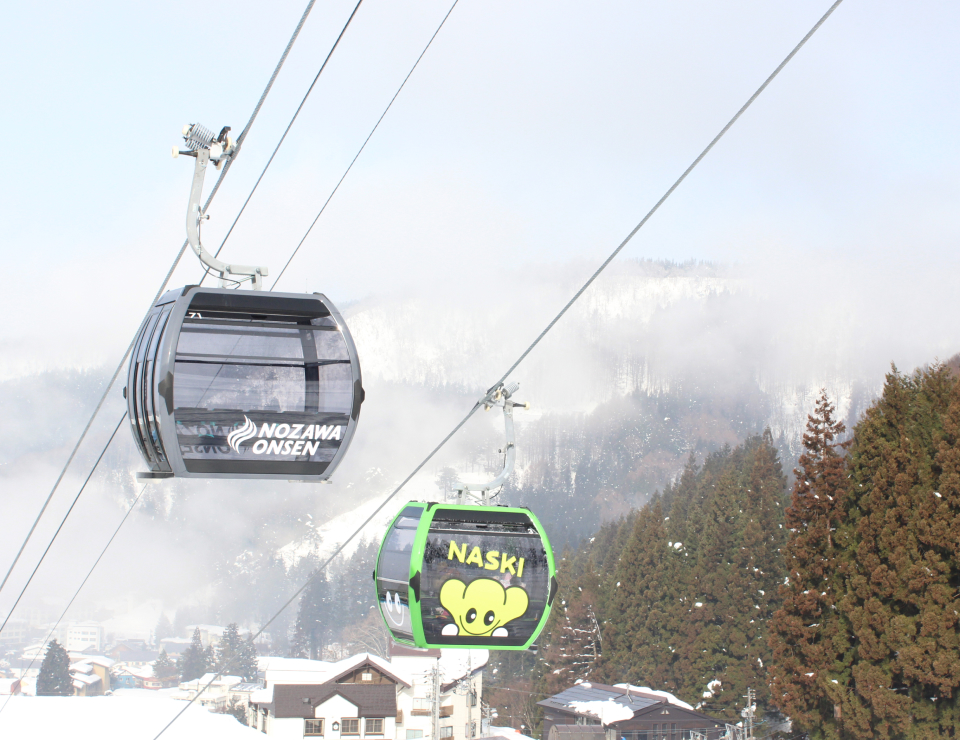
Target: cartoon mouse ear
452,593
516,603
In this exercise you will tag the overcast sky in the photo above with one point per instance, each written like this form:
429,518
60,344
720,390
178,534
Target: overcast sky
532,132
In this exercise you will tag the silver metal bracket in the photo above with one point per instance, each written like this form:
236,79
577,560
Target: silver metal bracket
499,395
202,145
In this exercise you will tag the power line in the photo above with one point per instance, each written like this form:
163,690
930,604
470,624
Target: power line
363,146
62,522
163,285
526,352
84,582
286,131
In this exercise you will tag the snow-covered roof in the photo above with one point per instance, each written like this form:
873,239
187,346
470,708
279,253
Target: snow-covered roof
262,696
81,668
300,670
97,660
80,679
609,703
145,671
41,718
207,678
665,695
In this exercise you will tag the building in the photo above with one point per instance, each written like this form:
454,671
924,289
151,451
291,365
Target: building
79,636
91,675
216,690
9,686
594,711
417,694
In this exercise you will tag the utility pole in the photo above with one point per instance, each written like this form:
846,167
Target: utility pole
748,714
435,706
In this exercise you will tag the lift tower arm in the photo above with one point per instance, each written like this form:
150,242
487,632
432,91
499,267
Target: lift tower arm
202,145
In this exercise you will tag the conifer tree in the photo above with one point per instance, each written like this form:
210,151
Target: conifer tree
228,649
575,646
163,667
803,628
195,659
247,665
164,628
642,622
312,629
54,678
897,657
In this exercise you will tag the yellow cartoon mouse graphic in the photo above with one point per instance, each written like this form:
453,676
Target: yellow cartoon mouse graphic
481,608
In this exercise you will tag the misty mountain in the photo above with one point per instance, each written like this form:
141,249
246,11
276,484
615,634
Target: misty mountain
657,362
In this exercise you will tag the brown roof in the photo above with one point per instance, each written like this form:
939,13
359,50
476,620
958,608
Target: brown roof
411,652
376,700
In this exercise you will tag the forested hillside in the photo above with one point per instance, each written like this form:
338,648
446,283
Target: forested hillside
837,603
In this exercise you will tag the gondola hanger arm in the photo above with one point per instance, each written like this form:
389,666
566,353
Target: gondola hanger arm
499,395
202,145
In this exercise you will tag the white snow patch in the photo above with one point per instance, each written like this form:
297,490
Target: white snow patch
607,711
116,718
661,694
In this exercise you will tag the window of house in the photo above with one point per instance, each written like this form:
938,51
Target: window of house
414,734
473,698
446,731
673,731
366,676
349,726
373,726
313,727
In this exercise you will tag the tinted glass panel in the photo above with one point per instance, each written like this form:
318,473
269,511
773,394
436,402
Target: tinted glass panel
261,390
483,584
393,572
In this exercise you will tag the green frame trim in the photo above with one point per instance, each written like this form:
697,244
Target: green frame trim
416,560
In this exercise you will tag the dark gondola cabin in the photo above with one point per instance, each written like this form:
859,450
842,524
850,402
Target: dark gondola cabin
243,384
465,576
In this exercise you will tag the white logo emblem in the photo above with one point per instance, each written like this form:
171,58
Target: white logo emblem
394,605
241,435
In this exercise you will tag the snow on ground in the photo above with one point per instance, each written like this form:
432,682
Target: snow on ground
662,694
507,732
114,718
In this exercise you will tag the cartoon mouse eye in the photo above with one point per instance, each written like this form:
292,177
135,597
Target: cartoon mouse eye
488,618
471,615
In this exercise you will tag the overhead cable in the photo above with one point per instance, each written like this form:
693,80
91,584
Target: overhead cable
362,147
286,131
82,584
62,522
526,352
163,285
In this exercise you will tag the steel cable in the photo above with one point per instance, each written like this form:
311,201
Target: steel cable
526,352
163,285
82,584
363,146
62,522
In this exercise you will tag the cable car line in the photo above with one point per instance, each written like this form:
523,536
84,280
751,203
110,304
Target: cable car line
239,143
62,522
490,393
363,146
286,131
83,582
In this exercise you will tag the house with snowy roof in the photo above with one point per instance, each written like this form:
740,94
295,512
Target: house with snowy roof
595,711
366,697
91,675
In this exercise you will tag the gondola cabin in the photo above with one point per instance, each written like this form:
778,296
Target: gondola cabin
465,577
243,384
